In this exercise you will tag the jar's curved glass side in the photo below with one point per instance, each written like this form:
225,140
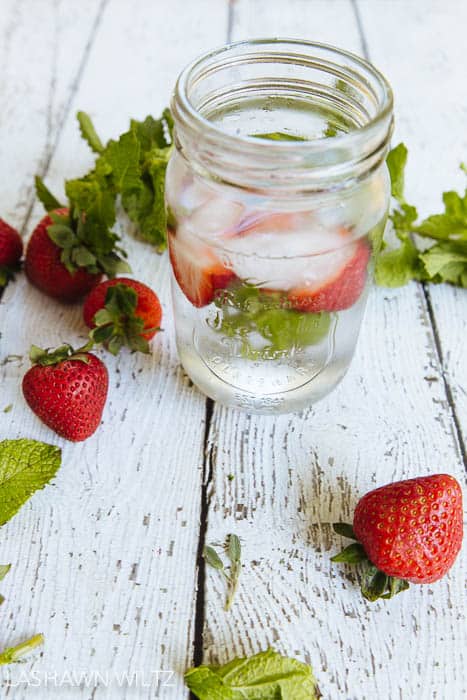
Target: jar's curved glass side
270,284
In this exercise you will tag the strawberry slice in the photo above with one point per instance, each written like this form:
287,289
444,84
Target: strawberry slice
337,292
198,271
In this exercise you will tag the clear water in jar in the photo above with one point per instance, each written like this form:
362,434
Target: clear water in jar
269,296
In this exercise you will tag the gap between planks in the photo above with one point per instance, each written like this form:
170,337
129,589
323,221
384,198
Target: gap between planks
207,478
424,288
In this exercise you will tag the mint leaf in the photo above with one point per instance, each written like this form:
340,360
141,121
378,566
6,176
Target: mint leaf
25,467
394,268
45,196
233,549
264,676
133,167
396,162
246,309
212,558
446,262
123,158
446,259
279,136
452,225
89,133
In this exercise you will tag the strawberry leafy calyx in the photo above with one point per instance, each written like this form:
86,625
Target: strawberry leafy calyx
47,357
374,583
117,324
84,233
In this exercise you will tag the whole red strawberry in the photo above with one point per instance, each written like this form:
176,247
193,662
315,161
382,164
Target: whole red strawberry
11,250
406,531
67,390
122,311
45,268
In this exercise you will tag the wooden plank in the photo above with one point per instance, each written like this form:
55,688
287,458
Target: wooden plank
105,560
294,475
427,70
41,58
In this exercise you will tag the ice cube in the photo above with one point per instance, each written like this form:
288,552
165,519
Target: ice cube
283,251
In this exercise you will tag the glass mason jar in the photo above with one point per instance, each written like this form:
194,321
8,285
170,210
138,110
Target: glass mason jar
277,194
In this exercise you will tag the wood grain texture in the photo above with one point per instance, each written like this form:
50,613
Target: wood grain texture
427,68
295,475
104,561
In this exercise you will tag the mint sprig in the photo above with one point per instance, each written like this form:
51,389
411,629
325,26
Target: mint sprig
133,167
445,260
245,310
267,675
231,575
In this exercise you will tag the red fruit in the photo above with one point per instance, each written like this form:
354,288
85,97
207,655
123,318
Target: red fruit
412,529
68,395
407,531
197,270
44,268
141,318
11,246
340,291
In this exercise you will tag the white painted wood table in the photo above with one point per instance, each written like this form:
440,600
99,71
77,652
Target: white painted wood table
106,561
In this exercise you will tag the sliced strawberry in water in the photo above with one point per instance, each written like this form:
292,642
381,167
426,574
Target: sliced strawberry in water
198,271
337,292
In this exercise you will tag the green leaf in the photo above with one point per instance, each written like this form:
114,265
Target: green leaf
89,133
123,158
102,317
394,268
352,554
16,653
103,333
396,162
345,530
264,676
62,235
82,257
45,196
120,300
330,131
150,132
4,569
8,408
244,308
234,549
446,262
395,586
212,558
115,344
278,136
442,227
47,357
25,467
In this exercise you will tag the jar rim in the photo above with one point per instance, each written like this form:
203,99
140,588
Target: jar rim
182,91
366,144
